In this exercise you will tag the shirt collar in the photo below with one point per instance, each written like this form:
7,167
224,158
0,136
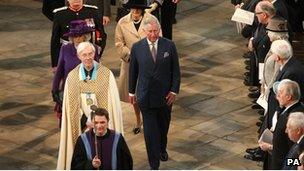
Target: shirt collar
300,139
287,107
150,43
82,74
282,66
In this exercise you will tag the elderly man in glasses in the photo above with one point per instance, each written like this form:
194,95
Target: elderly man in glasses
88,84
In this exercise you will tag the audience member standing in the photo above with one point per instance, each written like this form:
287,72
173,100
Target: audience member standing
295,131
290,68
288,95
259,44
276,30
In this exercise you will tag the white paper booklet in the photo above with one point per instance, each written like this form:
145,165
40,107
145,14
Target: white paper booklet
266,136
243,16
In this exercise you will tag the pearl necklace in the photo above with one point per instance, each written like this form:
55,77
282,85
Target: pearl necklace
137,22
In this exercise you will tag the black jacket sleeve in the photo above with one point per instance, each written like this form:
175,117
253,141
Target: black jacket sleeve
79,159
49,5
55,40
124,157
175,70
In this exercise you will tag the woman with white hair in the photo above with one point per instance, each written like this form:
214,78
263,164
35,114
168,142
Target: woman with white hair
276,30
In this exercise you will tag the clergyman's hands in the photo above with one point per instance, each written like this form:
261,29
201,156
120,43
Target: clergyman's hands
170,98
96,162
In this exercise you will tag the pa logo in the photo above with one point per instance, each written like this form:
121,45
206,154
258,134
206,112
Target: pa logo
293,162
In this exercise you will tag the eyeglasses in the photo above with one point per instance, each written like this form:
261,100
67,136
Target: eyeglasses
256,13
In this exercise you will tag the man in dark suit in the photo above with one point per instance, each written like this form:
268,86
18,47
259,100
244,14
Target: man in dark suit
288,95
295,131
259,44
290,68
154,69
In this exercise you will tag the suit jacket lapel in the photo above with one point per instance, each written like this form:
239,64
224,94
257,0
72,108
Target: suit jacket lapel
290,108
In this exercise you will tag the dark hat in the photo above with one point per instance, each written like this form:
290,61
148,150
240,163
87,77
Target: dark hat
138,4
78,27
277,24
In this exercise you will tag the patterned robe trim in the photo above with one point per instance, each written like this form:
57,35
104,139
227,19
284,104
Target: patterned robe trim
105,89
98,86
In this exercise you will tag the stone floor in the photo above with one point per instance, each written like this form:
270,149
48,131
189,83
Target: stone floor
212,122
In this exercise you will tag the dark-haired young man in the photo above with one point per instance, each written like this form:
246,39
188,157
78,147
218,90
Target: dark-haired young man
112,150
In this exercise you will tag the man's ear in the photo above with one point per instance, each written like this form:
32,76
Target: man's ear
290,97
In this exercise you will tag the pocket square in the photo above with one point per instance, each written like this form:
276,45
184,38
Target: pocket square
166,54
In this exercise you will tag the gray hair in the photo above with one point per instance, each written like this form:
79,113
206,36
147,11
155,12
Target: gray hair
267,7
296,120
282,48
87,37
291,88
277,35
84,45
150,20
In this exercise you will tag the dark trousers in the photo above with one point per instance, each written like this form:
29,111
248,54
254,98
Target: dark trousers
167,15
156,126
254,71
267,161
